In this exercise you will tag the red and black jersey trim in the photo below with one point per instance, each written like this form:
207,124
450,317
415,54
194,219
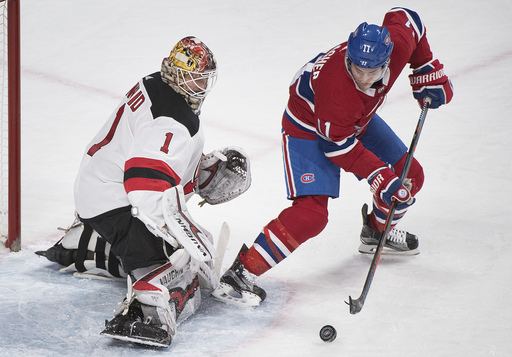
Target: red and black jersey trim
143,174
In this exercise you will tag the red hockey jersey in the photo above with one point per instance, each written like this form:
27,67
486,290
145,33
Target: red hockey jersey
325,103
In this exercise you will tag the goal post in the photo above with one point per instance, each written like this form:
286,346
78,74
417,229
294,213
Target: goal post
11,126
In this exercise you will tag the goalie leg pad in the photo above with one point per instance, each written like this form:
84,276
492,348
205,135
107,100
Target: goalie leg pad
157,303
178,280
83,250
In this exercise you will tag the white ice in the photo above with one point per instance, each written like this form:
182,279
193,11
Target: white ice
453,299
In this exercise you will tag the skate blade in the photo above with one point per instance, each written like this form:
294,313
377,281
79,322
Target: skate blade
371,249
227,294
137,340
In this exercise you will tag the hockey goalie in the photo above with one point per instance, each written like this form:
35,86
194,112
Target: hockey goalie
135,179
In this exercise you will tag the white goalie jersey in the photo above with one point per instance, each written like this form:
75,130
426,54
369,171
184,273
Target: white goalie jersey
152,141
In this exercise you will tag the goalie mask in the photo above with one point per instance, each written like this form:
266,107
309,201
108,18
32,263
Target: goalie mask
191,70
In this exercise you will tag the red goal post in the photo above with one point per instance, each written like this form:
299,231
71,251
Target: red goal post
10,185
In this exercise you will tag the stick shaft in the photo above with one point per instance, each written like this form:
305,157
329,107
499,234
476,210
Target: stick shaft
357,305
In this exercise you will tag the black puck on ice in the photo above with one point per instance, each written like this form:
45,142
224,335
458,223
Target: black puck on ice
328,333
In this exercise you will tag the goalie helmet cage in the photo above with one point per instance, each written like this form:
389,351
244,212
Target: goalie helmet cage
10,160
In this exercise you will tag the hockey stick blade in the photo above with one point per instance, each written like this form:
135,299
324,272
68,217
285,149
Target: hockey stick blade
355,305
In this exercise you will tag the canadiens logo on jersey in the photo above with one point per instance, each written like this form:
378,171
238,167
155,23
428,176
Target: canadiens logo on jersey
307,178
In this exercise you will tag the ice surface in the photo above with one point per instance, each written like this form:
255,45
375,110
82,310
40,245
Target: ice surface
453,299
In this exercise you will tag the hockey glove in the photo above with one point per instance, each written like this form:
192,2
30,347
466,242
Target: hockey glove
386,185
430,81
224,174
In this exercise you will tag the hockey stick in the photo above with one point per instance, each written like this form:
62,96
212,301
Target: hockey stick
357,304
188,233
222,244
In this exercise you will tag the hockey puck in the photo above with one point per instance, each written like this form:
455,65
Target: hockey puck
328,333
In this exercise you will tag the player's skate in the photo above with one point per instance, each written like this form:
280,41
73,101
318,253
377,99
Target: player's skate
157,303
397,241
237,285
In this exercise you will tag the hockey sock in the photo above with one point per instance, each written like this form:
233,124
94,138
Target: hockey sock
415,174
377,218
306,218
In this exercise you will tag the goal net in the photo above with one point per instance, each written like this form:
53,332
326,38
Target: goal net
10,221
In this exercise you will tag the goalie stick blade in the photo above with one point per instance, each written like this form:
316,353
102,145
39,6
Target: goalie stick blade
222,244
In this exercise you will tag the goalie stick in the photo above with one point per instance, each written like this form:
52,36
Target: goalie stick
188,233
356,305
222,244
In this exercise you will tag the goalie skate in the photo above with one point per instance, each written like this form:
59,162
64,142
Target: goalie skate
237,286
131,327
398,242
161,298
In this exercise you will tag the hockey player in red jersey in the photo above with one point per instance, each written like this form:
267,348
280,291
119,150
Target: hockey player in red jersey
130,194
330,123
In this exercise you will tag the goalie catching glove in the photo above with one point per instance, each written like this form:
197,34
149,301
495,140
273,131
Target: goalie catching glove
224,174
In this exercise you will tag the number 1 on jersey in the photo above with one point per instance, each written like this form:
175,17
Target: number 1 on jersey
165,147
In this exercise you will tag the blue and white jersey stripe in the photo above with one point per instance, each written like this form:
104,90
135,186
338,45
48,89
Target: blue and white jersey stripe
333,149
293,119
414,21
302,80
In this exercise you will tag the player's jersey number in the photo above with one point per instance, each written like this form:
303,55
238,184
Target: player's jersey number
110,135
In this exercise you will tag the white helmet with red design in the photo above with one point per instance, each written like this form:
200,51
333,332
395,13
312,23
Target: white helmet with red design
191,70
